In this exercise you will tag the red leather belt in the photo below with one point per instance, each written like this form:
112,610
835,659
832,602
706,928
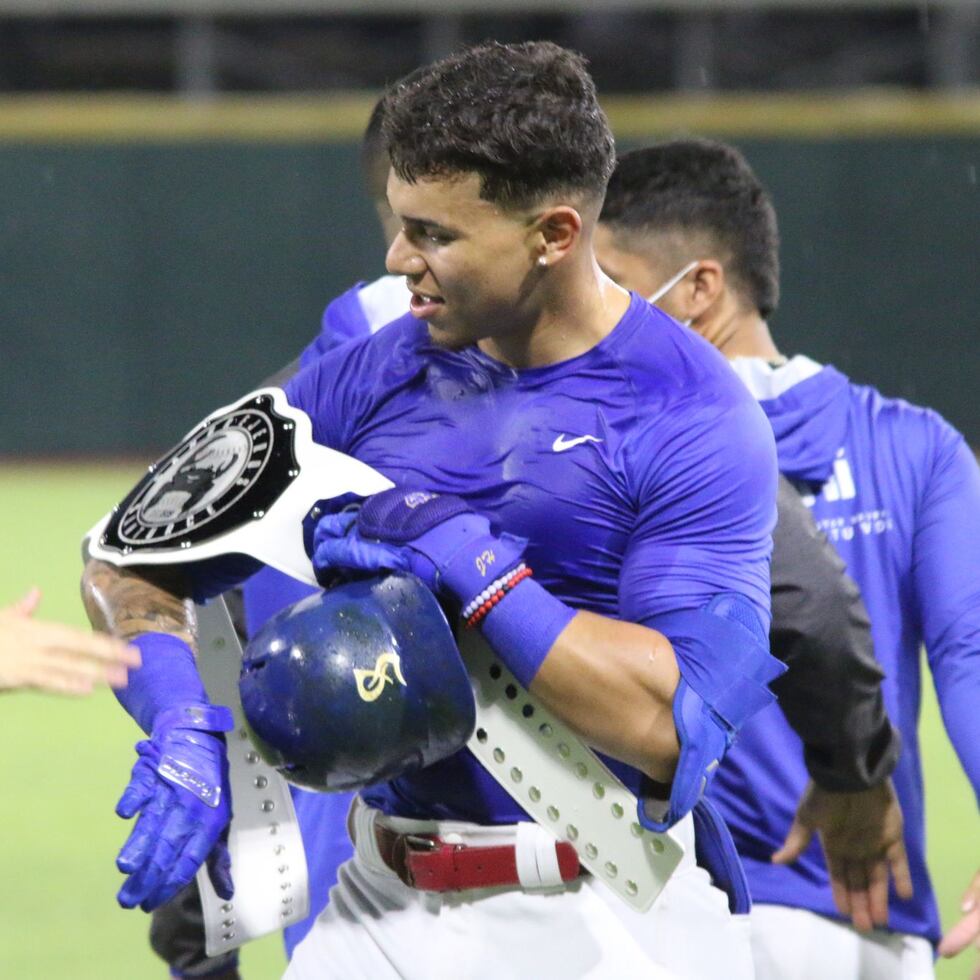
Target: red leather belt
433,865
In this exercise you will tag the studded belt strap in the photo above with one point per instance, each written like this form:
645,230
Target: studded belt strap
267,859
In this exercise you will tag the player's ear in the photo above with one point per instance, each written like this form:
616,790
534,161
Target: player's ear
554,234
704,287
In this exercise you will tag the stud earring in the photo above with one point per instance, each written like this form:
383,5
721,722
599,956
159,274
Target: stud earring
542,261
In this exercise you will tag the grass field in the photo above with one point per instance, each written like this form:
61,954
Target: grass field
64,762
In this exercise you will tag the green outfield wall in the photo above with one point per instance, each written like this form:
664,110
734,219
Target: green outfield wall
158,259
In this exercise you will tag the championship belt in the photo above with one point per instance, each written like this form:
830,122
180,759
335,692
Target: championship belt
240,482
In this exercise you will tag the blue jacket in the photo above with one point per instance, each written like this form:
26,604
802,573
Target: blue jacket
897,491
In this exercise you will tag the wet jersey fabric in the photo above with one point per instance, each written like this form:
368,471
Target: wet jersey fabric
897,491
641,472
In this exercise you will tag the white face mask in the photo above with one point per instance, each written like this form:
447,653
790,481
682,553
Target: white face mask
669,285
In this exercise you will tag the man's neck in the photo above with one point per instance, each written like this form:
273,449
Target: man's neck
740,334
576,316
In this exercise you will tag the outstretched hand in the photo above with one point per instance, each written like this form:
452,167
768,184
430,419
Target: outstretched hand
861,835
966,932
56,658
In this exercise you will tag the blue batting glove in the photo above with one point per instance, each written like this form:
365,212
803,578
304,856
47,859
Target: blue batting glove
453,551
439,538
337,545
179,787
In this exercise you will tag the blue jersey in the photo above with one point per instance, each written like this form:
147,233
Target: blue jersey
642,474
897,491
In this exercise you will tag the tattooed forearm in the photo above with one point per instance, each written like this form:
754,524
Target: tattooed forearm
126,602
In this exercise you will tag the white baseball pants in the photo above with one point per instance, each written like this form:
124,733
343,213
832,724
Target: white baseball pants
378,928
796,944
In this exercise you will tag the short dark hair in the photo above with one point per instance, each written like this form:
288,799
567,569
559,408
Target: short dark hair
374,154
374,151
524,117
699,185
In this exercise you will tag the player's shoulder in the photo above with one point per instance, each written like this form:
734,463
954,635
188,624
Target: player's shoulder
685,392
673,369
364,309
906,429
403,337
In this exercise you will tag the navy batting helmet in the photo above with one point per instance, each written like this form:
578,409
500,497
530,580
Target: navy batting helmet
356,685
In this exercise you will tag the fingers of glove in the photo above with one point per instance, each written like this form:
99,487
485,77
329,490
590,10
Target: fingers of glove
177,879
144,835
365,556
165,816
135,796
142,838
898,862
196,850
128,896
145,882
333,526
797,841
142,786
200,845
858,896
219,870
180,868
168,874
151,884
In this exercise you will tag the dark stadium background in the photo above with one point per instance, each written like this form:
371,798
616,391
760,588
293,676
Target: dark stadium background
179,197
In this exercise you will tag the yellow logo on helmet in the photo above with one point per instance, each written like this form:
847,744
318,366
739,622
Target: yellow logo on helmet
370,683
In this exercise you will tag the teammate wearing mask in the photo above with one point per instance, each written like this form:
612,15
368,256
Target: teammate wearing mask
688,223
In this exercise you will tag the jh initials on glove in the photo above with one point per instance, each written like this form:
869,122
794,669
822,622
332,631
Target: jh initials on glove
179,788
438,538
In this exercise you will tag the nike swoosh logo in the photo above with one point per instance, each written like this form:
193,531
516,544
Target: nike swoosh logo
561,444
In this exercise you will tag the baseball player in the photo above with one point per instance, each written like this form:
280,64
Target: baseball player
605,442
831,694
898,493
